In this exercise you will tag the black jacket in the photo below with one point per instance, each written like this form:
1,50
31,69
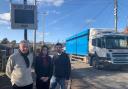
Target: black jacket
61,66
40,69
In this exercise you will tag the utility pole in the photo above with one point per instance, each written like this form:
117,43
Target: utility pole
115,14
25,30
44,20
127,22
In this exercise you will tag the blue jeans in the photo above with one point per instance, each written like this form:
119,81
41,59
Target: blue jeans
55,80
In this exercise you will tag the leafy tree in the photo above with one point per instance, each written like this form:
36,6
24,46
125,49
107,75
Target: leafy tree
5,41
13,42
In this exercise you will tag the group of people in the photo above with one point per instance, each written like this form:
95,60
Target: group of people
50,71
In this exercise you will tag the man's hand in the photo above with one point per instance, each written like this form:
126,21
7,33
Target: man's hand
45,79
66,81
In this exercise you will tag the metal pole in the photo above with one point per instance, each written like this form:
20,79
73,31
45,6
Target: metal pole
43,27
115,14
127,22
44,21
10,1
25,30
34,43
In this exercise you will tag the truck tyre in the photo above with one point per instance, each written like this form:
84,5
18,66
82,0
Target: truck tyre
90,61
96,64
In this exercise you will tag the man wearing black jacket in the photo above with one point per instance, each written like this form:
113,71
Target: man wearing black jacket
61,68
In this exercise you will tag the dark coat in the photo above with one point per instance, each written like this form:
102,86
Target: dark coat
42,70
61,66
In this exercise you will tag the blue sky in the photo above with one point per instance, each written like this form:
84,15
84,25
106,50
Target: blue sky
65,18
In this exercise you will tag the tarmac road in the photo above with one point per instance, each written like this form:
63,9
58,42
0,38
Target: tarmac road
85,77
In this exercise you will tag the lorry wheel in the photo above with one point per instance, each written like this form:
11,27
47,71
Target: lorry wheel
96,64
90,61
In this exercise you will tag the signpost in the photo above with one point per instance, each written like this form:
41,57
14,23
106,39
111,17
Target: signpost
23,16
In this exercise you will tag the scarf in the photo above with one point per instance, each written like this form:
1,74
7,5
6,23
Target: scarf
24,55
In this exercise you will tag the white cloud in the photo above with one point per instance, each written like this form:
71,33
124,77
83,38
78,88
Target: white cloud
4,18
40,34
50,12
47,33
53,22
56,28
89,22
31,1
3,22
59,19
58,2
46,2
55,12
8,27
52,2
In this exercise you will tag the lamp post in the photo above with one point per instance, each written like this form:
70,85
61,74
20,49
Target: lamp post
44,24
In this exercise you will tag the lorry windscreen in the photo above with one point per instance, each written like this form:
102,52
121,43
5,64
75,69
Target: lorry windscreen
117,42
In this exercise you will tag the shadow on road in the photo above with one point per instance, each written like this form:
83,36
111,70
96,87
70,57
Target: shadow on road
5,82
81,78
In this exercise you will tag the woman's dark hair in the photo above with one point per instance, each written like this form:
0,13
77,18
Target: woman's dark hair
44,46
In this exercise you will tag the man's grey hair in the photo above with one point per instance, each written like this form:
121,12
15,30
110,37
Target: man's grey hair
24,42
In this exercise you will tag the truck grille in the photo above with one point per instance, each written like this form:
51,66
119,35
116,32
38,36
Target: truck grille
120,58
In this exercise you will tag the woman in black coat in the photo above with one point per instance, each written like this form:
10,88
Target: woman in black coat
43,69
